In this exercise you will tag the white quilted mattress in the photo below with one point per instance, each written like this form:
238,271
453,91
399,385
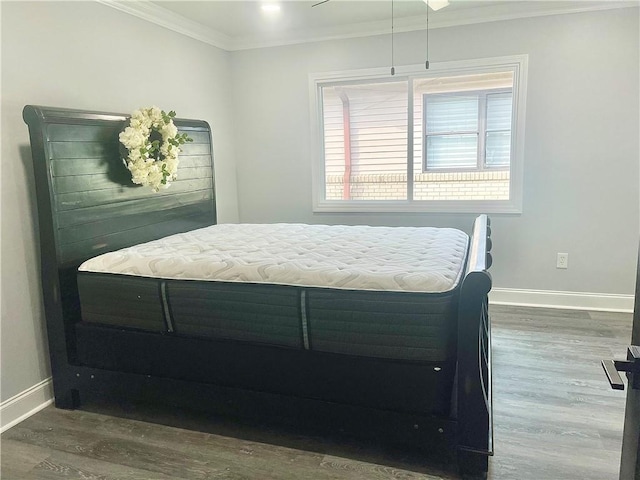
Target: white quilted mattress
410,259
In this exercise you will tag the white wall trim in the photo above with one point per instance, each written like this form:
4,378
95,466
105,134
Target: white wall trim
563,300
167,19
154,13
23,405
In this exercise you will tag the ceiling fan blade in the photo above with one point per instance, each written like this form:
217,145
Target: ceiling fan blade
436,5
319,3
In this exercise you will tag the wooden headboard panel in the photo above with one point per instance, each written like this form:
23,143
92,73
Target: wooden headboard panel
87,203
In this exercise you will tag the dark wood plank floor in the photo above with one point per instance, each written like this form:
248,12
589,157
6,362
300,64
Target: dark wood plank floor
555,417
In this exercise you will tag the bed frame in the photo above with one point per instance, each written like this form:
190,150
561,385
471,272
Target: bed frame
87,205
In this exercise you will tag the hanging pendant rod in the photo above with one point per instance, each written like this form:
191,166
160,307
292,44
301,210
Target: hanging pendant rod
393,69
426,63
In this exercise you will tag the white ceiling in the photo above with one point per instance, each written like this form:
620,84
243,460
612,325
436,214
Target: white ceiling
240,24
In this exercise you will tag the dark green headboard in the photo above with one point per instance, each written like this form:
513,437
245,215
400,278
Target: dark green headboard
87,203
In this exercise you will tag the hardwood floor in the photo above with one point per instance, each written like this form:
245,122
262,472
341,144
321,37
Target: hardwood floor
556,418
555,415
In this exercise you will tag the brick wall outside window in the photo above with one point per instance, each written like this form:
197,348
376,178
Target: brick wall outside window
483,185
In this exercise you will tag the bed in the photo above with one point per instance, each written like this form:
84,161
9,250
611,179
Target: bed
261,326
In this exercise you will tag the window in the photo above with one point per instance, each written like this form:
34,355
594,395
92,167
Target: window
469,131
448,139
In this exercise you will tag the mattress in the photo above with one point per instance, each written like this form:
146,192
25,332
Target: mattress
345,257
384,292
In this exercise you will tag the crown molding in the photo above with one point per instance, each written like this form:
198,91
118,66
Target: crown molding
168,19
441,19
444,18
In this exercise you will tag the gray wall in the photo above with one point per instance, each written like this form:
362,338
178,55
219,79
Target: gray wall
581,147
87,55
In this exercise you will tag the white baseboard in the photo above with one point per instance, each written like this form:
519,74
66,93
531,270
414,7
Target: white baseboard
605,302
23,405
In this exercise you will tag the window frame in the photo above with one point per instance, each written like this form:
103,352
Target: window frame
517,64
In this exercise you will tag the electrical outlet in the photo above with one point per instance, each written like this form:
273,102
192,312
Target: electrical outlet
562,260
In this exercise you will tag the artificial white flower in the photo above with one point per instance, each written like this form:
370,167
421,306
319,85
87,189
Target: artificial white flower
169,130
155,166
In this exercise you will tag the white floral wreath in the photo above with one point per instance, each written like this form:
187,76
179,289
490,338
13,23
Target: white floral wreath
153,143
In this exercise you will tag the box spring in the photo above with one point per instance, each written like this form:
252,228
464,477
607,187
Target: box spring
393,350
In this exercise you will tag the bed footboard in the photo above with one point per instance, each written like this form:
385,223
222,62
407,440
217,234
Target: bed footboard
474,386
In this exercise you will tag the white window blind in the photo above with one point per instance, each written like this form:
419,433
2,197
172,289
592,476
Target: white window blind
498,132
452,131
468,131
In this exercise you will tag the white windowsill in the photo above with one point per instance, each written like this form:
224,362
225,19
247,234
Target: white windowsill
399,206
